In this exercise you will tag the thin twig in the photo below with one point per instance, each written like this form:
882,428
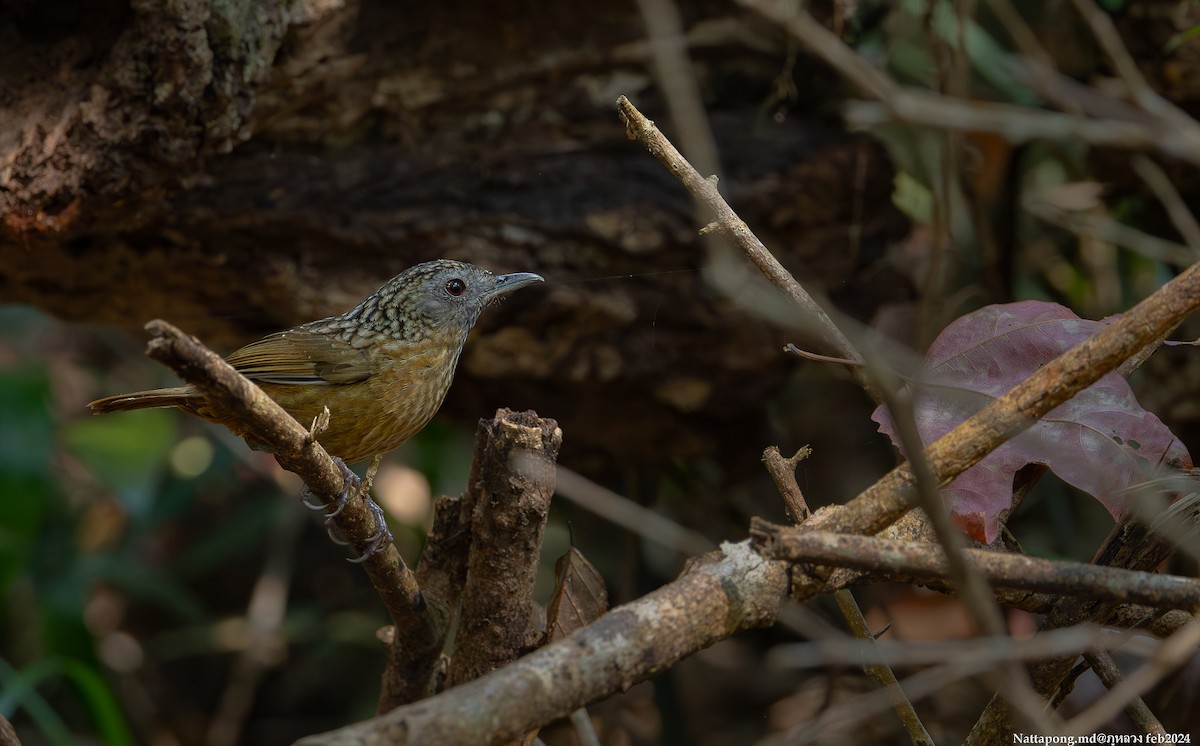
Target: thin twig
678,82
882,672
1158,128
629,515
1181,216
966,659
985,651
263,620
637,127
1106,35
976,594
1174,652
1019,31
1108,229
1022,124
816,357
972,585
1106,670
783,472
833,724
584,731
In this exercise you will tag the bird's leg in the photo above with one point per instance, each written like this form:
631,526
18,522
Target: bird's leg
353,487
383,536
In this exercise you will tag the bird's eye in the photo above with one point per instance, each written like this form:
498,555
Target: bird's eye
456,287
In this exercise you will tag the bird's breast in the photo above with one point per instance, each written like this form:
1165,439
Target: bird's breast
405,389
406,392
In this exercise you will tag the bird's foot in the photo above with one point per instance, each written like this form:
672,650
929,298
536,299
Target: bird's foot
381,538
351,486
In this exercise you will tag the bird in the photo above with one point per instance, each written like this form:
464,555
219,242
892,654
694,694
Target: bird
382,368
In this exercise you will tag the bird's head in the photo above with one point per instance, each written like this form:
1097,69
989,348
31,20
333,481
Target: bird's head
442,297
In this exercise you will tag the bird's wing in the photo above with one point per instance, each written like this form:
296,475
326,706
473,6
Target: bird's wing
298,357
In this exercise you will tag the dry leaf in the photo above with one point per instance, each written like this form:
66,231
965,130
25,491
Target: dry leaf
579,595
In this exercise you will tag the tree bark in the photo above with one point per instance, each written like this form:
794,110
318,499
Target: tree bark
240,167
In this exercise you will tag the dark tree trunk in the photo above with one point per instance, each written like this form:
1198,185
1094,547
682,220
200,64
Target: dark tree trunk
238,167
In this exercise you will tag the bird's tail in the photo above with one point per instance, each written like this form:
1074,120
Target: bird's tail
179,396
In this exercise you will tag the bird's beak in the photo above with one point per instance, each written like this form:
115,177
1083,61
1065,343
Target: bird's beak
508,283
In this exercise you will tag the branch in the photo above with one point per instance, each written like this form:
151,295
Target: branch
1105,228
1078,368
717,596
1110,675
481,555
880,670
1173,653
636,519
1155,126
783,472
639,128
920,562
1130,545
8,735
1054,383
1172,201
972,588
969,653
512,481
235,398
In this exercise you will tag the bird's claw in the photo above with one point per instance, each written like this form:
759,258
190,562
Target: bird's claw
353,487
335,535
381,538
351,484
305,493
342,501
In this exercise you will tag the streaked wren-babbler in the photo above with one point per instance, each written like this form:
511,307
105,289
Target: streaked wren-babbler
383,367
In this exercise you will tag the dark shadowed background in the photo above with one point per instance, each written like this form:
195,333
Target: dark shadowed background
240,167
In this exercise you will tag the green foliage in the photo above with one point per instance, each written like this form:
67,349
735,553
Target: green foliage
1181,38
21,690
40,564
127,453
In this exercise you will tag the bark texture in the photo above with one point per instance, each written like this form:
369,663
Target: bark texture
240,167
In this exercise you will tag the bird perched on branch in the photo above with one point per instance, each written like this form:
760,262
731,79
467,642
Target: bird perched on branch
383,367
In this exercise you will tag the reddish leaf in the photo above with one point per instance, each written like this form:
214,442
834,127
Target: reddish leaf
1101,441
